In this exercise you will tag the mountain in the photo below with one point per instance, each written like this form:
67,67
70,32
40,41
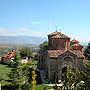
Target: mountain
21,40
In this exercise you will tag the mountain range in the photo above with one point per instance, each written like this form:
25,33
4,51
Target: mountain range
8,40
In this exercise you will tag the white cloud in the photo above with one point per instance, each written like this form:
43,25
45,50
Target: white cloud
34,32
24,29
3,29
29,31
35,22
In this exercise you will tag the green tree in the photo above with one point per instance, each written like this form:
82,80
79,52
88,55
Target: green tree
86,76
36,56
41,46
16,76
26,51
72,79
26,71
87,51
26,86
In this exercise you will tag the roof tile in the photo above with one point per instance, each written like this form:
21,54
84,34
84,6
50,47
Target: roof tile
56,53
58,35
74,41
8,54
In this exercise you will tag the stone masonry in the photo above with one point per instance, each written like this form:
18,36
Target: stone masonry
58,55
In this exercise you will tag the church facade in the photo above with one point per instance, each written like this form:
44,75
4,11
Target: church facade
57,55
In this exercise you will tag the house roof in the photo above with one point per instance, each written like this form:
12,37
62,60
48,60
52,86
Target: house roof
10,54
57,34
56,53
78,44
74,41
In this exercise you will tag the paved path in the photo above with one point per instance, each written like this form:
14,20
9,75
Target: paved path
53,84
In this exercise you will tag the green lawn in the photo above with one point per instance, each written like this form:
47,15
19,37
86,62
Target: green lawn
41,87
33,61
4,70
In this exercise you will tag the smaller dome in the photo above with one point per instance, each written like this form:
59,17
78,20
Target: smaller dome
77,44
74,41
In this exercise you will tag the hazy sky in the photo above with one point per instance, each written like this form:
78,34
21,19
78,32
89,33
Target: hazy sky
39,18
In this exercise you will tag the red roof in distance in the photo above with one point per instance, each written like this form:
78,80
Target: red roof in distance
10,54
74,41
77,44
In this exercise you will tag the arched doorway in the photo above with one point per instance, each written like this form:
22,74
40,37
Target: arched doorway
67,61
64,70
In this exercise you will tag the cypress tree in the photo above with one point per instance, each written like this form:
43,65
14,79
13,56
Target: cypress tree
16,76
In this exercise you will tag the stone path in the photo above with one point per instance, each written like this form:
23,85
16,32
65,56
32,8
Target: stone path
43,76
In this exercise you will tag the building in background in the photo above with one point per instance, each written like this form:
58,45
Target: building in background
9,57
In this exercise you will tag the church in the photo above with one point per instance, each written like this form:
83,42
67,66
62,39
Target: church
59,53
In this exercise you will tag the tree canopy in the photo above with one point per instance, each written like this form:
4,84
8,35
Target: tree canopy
26,51
87,51
41,46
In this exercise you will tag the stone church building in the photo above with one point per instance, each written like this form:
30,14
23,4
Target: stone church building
59,53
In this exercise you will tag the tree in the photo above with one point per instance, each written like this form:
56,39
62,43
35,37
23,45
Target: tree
86,76
41,46
16,76
72,79
26,51
87,51
26,86
26,71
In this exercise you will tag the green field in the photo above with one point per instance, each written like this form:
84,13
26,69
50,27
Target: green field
41,87
4,70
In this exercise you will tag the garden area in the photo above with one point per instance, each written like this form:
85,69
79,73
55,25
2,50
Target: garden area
5,80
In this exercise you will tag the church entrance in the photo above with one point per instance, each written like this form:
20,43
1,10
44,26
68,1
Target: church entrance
64,70
67,61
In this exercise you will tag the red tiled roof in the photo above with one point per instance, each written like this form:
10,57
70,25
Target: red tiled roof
74,41
78,53
77,44
56,53
8,54
58,35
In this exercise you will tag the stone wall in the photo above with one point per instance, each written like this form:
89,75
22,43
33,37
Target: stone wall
80,63
58,44
55,65
52,68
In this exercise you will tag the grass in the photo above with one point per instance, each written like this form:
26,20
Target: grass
41,87
4,70
33,61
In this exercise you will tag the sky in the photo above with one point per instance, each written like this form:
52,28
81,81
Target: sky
40,17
